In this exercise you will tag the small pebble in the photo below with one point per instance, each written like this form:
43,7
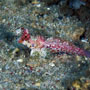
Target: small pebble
84,40
20,60
18,31
37,84
60,17
38,5
4,20
52,64
48,8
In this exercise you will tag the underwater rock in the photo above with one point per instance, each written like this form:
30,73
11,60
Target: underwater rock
35,2
78,33
50,2
38,53
5,34
87,34
87,3
81,84
83,14
76,4
75,7
22,2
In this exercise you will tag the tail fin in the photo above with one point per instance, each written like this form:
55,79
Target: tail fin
87,53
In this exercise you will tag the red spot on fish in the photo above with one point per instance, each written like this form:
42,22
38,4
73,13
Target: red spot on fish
31,68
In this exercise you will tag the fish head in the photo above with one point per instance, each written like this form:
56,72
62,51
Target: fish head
25,36
29,41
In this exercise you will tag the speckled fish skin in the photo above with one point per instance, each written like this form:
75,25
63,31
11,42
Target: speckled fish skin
54,44
59,45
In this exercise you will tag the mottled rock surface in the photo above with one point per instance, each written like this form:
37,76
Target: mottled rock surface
22,70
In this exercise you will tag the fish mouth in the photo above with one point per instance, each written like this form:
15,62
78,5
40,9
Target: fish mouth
20,41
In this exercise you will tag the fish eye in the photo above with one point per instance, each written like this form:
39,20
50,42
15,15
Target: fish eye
25,36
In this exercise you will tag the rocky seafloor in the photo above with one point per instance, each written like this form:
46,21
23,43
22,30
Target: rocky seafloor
21,70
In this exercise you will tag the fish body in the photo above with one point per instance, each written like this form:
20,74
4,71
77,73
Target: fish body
54,44
59,45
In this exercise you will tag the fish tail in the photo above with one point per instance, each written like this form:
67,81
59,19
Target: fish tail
87,53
